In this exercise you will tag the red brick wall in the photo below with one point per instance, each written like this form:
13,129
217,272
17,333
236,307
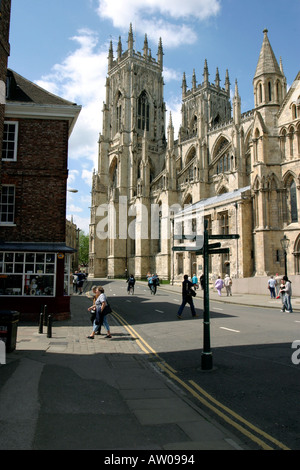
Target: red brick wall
39,175
4,54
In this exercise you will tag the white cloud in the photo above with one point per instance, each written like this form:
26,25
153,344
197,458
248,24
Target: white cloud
174,107
171,74
81,79
72,176
82,222
72,208
86,175
146,16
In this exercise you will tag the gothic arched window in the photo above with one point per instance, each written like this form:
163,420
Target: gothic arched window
119,113
293,202
143,112
260,95
270,91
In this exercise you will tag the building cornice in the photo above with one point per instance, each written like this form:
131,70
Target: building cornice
19,110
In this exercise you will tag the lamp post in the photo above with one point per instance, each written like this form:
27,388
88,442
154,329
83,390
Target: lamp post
285,244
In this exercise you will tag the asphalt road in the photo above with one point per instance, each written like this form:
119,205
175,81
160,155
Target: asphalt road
253,383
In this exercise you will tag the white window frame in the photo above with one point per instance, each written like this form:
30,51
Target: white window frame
14,205
16,124
39,269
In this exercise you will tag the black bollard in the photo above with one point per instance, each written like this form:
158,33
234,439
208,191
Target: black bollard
45,315
49,327
41,323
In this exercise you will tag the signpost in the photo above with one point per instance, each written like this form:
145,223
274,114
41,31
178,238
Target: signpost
203,248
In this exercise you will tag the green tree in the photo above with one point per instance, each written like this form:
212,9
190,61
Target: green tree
83,255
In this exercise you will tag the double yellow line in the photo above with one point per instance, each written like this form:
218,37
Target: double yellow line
225,413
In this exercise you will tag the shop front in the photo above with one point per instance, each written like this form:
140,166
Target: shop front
33,275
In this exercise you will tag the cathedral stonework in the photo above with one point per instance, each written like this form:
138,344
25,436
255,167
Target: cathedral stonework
240,171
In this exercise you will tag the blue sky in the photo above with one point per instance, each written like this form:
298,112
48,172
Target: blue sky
62,45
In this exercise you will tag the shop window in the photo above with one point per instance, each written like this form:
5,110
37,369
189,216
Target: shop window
10,140
29,274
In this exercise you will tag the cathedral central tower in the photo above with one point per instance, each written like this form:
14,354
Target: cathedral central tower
131,151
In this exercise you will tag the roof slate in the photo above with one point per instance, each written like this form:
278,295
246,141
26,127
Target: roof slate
19,89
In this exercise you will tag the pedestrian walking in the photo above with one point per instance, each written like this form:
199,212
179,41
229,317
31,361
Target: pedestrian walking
187,297
155,280
277,285
271,287
202,281
287,290
282,294
131,283
102,309
150,282
80,280
75,279
219,284
195,281
92,309
228,284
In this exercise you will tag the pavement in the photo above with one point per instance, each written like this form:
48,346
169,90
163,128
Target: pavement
68,392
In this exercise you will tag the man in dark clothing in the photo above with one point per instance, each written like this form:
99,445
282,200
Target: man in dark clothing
187,297
131,282
80,280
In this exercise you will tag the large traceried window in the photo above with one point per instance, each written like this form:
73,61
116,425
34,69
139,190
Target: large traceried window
27,274
10,141
143,113
293,202
119,113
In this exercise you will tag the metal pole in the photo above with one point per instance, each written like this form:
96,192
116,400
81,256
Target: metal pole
45,315
49,328
285,263
207,360
41,323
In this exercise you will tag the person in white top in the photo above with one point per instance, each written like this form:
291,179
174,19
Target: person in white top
271,287
287,290
228,284
101,305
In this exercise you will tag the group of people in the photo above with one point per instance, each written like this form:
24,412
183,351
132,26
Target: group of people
99,311
100,308
219,284
153,282
188,285
281,287
226,282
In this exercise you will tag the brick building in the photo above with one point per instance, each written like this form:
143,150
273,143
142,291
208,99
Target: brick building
34,257
5,6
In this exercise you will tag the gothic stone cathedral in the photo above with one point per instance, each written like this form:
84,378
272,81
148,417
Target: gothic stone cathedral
241,170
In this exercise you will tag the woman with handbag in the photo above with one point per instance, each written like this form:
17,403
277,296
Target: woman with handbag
102,309
92,309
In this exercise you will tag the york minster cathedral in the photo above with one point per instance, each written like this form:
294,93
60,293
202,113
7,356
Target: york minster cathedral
241,171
